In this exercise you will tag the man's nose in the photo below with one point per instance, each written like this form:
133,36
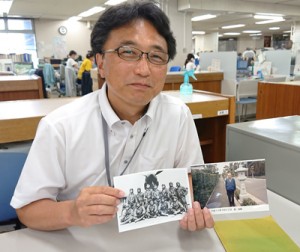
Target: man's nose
143,65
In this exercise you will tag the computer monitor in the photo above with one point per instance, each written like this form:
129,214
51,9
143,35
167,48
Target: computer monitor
242,65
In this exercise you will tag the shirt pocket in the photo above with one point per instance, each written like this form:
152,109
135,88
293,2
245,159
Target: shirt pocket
155,161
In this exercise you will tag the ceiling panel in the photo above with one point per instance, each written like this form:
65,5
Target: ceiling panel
236,13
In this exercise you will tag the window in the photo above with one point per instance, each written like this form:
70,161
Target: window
17,37
19,24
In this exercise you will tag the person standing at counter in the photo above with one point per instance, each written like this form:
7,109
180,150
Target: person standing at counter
122,128
189,63
71,60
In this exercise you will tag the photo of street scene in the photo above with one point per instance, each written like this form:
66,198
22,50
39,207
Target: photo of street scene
153,197
236,186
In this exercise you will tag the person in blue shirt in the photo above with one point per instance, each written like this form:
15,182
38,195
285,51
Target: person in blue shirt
230,188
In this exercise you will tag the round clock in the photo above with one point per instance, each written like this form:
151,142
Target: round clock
62,30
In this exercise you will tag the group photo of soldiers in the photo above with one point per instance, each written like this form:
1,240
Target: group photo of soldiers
154,201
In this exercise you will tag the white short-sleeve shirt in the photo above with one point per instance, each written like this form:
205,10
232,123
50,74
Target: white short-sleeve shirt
68,153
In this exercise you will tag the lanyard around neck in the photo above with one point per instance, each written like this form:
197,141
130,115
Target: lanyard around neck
106,150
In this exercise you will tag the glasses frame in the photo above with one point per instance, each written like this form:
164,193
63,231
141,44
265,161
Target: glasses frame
140,55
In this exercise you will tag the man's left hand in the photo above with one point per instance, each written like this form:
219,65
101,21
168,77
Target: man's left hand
197,218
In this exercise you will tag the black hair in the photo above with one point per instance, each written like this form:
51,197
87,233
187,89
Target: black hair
72,52
89,54
188,58
122,14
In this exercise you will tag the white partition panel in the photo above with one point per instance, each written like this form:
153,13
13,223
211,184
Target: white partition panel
228,66
281,61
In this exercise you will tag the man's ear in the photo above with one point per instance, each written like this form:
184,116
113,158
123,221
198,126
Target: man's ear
100,63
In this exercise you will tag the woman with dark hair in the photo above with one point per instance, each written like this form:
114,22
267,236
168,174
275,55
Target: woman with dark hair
71,60
189,63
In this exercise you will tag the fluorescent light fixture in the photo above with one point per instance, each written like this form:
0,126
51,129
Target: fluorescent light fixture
5,6
255,35
233,26
251,31
198,32
232,33
287,32
91,11
270,14
270,21
274,28
74,18
220,35
267,17
203,17
114,2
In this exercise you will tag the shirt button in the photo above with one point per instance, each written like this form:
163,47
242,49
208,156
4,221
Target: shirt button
131,136
125,161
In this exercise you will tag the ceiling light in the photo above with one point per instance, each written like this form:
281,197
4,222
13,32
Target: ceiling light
270,14
220,35
274,28
251,31
203,17
256,34
267,16
114,2
233,26
270,21
5,6
74,18
198,32
232,33
287,32
91,11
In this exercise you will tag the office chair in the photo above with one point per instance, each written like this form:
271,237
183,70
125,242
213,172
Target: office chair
70,82
175,69
11,164
246,93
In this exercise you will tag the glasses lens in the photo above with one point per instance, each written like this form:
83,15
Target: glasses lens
158,58
129,53
133,54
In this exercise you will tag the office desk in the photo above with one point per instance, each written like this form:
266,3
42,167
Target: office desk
212,112
20,87
19,119
206,81
166,237
277,99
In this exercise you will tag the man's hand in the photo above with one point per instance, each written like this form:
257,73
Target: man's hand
95,205
197,218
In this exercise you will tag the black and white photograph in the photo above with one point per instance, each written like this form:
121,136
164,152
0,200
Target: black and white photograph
230,187
152,197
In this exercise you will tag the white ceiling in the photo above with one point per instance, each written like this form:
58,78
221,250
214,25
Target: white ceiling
228,12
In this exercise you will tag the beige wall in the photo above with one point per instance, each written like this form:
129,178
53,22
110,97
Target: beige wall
51,43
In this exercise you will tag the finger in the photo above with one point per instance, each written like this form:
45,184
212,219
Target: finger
107,190
101,210
102,199
183,222
191,220
199,218
209,221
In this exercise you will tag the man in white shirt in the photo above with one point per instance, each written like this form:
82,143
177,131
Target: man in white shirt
128,126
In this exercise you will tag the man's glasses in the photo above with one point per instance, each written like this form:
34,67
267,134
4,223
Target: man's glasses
129,53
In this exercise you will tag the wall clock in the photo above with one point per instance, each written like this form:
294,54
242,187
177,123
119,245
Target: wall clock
62,30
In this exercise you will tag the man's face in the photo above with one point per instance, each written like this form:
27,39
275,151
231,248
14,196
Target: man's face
132,83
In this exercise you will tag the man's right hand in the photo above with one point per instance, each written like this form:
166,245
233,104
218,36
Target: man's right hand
95,205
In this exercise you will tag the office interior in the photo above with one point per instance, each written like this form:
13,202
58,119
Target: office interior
242,109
